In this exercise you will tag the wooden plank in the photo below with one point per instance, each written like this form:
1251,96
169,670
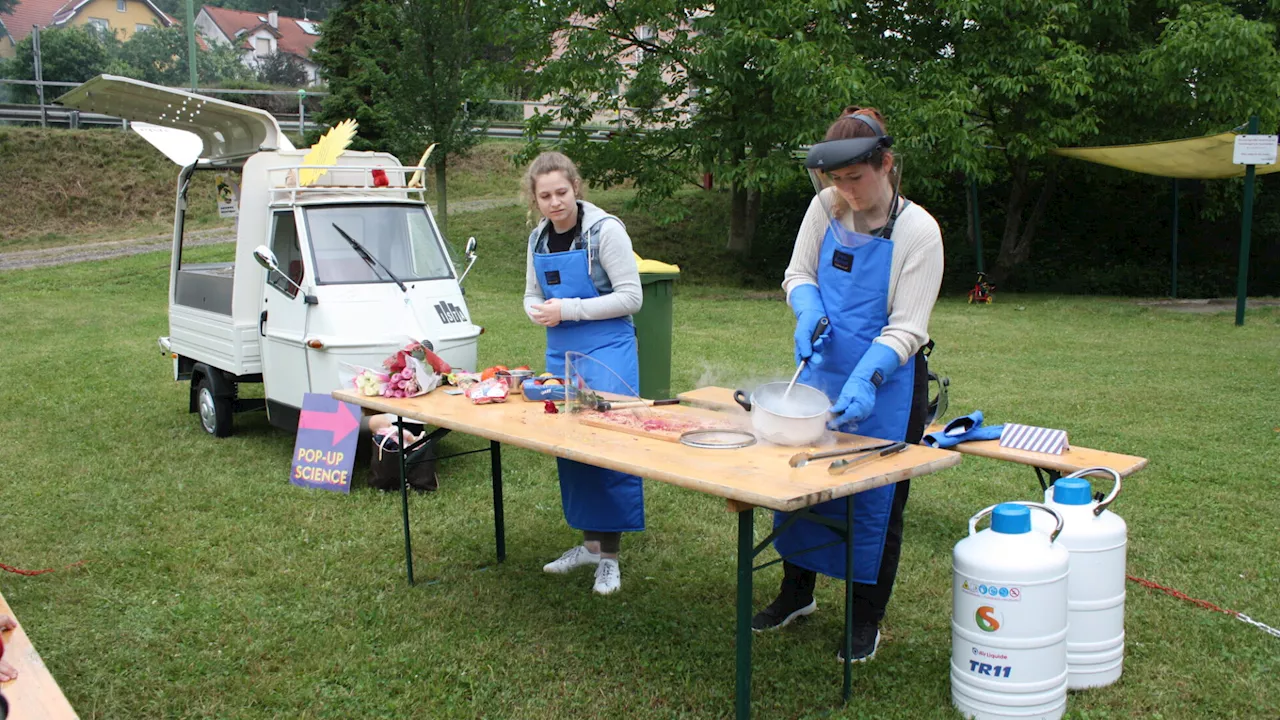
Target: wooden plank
34,695
1076,458
758,475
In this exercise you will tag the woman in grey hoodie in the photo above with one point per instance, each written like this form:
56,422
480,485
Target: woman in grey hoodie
582,284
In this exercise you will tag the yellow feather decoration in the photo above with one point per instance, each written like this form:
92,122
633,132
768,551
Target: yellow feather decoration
326,151
416,180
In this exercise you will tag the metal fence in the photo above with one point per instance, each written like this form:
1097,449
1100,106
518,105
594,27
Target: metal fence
296,122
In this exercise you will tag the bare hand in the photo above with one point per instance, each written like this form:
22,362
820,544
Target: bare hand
548,313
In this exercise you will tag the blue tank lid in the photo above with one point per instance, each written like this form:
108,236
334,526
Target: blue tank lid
1072,491
1011,519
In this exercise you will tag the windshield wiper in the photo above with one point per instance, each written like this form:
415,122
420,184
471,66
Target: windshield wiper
372,261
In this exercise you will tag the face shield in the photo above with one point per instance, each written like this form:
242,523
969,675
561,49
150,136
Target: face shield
857,182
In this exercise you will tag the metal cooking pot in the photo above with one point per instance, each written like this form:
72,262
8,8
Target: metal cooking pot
800,419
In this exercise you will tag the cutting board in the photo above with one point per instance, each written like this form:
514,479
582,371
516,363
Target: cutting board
653,423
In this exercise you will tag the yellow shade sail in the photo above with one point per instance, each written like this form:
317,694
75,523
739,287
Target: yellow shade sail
1202,158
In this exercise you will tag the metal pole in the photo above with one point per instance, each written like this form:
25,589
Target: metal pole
35,51
302,114
1246,227
977,222
1173,285
404,503
191,43
499,521
746,556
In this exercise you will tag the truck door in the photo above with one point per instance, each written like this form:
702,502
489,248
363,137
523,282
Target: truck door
283,324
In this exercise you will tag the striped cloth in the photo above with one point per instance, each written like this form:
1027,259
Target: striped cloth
1035,439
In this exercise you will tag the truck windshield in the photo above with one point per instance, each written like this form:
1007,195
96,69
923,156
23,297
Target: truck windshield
401,237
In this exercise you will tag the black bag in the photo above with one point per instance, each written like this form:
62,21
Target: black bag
384,465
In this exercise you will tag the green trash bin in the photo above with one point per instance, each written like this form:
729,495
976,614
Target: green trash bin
653,334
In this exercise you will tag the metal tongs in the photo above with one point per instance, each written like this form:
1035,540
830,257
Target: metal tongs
802,459
840,467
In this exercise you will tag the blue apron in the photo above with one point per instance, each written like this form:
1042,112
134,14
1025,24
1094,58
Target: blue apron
853,279
594,499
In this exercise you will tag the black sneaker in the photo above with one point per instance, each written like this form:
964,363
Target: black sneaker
866,639
781,612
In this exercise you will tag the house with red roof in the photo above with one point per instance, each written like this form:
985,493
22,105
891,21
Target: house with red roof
121,17
258,35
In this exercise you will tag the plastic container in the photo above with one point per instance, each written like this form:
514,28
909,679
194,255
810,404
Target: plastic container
653,333
1097,540
1009,618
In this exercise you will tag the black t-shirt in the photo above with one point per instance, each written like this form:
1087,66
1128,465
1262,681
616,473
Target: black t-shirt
559,242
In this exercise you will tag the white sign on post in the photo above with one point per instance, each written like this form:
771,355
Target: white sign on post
1255,150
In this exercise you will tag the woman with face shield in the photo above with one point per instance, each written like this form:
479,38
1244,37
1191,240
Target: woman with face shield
870,261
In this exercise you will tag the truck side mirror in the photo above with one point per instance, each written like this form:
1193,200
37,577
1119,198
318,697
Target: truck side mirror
471,258
266,258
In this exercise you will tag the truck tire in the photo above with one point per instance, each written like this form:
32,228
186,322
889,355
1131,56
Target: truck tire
213,411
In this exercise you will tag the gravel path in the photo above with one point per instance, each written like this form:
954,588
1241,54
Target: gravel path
47,257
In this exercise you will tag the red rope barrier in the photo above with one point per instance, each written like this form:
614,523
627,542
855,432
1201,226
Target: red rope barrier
30,573
1205,604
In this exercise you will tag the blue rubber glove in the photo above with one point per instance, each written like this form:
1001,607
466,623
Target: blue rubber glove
806,302
858,397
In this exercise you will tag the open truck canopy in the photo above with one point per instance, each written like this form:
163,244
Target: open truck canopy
230,132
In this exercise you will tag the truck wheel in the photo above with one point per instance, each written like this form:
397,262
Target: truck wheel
214,411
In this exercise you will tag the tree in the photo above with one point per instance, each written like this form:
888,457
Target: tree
358,52
734,90
7,6
281,68
445,68
159,56
411,73
67,54
989,88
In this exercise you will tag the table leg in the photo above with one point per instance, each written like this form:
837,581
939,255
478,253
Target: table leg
499,523
746,557
848,601
404,504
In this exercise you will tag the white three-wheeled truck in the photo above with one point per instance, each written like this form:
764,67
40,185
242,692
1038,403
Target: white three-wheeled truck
339,272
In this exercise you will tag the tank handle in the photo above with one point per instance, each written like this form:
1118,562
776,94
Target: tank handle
1115,490
973,521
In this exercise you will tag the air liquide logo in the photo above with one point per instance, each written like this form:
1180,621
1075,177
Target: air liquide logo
450,313
987,618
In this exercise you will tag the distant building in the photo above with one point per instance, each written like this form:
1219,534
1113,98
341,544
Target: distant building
121,17
258,35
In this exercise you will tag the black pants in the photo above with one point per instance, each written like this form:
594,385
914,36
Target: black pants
870,601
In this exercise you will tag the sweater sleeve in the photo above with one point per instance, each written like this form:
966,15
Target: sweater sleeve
619,263
914,285
532,290
804,258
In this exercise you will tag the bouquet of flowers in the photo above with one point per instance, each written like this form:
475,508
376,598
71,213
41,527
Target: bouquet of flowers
410,372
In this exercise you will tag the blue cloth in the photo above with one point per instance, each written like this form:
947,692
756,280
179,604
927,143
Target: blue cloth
858,396
966,428
594,499
806,302
854,287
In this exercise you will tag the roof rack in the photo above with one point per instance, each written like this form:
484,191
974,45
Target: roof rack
344,180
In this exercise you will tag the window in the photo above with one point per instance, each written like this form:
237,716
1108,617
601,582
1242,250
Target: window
263,45
100,25
284,243
401,237
141,27
121,6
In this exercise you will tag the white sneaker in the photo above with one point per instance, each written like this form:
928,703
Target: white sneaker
608,577
575,557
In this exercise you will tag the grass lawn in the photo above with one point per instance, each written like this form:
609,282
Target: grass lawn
213,588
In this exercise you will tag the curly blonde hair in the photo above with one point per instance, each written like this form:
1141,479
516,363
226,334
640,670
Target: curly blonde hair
549,162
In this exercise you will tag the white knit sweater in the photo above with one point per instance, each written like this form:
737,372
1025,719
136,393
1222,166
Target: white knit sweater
914,276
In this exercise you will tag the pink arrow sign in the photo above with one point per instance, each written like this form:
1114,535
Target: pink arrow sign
340,422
